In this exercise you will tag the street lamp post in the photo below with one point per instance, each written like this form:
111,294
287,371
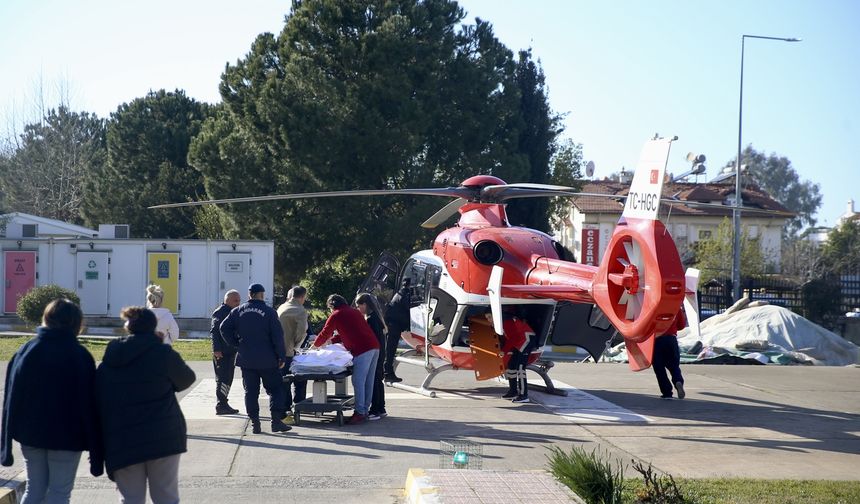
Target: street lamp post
736,211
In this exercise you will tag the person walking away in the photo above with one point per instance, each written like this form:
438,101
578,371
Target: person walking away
357,337
167,326
519,340
144,431
667,357
368,306
223,355
49,406
254,329
294,322
397,321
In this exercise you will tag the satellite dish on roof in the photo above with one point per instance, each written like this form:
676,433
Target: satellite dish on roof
589,169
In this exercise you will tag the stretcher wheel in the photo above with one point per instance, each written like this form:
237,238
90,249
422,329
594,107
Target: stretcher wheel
340,418
297,417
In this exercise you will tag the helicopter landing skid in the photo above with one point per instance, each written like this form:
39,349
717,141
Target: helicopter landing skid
542,368
408,357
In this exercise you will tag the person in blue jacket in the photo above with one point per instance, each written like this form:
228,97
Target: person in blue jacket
50,406
254,328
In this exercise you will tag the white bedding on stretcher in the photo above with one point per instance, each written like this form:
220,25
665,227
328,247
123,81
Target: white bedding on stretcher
331,359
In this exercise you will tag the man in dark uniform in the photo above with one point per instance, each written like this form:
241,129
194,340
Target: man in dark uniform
254,329
667,357
223,355
397,321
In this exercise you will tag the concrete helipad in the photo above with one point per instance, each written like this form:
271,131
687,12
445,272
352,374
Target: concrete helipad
743,421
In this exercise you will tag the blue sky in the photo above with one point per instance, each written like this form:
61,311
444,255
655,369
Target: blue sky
620,70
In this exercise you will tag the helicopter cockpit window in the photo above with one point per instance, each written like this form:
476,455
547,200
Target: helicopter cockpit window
415,272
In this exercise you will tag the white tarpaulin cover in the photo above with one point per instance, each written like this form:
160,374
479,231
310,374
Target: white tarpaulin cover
331,359
747,325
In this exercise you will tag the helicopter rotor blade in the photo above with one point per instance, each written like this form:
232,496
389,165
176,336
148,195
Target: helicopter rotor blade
444,213
557,191
456,192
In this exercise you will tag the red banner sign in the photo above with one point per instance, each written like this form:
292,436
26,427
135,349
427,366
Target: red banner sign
590,245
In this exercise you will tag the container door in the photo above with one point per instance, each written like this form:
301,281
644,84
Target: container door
20,277
164,271
92,282
234,272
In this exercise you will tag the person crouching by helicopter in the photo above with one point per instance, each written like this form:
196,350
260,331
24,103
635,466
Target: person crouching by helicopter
519,339
397,321
357,337
667,356
368,306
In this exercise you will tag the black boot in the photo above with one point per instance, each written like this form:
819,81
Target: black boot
225,409
512,390
279,426
255,426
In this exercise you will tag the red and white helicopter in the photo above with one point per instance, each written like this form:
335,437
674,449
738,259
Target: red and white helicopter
638,288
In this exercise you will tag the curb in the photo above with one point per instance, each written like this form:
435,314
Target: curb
418,488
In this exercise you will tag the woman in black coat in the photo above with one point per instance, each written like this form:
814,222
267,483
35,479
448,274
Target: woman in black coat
144,429
49,406
367,305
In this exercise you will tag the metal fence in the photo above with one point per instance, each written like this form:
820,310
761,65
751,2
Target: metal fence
822,300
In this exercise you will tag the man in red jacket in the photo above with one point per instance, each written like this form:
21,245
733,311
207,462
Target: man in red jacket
519,339
357,337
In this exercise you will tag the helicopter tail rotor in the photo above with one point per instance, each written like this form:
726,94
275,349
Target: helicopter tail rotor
640,294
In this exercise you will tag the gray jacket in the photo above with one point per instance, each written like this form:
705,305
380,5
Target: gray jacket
294,322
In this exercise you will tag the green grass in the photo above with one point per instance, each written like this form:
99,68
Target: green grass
594,476
190,350
752,491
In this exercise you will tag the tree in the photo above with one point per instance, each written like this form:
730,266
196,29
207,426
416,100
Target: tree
359,94
537,141
45,170
775,175
566,171
840,254
147,164
714,255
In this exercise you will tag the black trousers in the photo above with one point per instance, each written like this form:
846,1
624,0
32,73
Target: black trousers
273,382
377,403
225,368
516,372
667,356
391,343
300,387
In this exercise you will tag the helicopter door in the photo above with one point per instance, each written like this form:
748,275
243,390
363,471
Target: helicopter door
382,279
582,325
444,309
484,343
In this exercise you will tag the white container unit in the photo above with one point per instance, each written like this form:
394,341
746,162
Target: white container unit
108,274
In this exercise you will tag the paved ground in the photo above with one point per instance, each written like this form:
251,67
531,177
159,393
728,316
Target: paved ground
744,421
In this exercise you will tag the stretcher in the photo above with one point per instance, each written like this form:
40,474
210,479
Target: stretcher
321,401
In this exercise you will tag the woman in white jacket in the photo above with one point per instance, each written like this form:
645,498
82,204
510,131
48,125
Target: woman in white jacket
167,326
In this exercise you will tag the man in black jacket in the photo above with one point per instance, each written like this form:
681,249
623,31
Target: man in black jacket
254,329
397,321
223,355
